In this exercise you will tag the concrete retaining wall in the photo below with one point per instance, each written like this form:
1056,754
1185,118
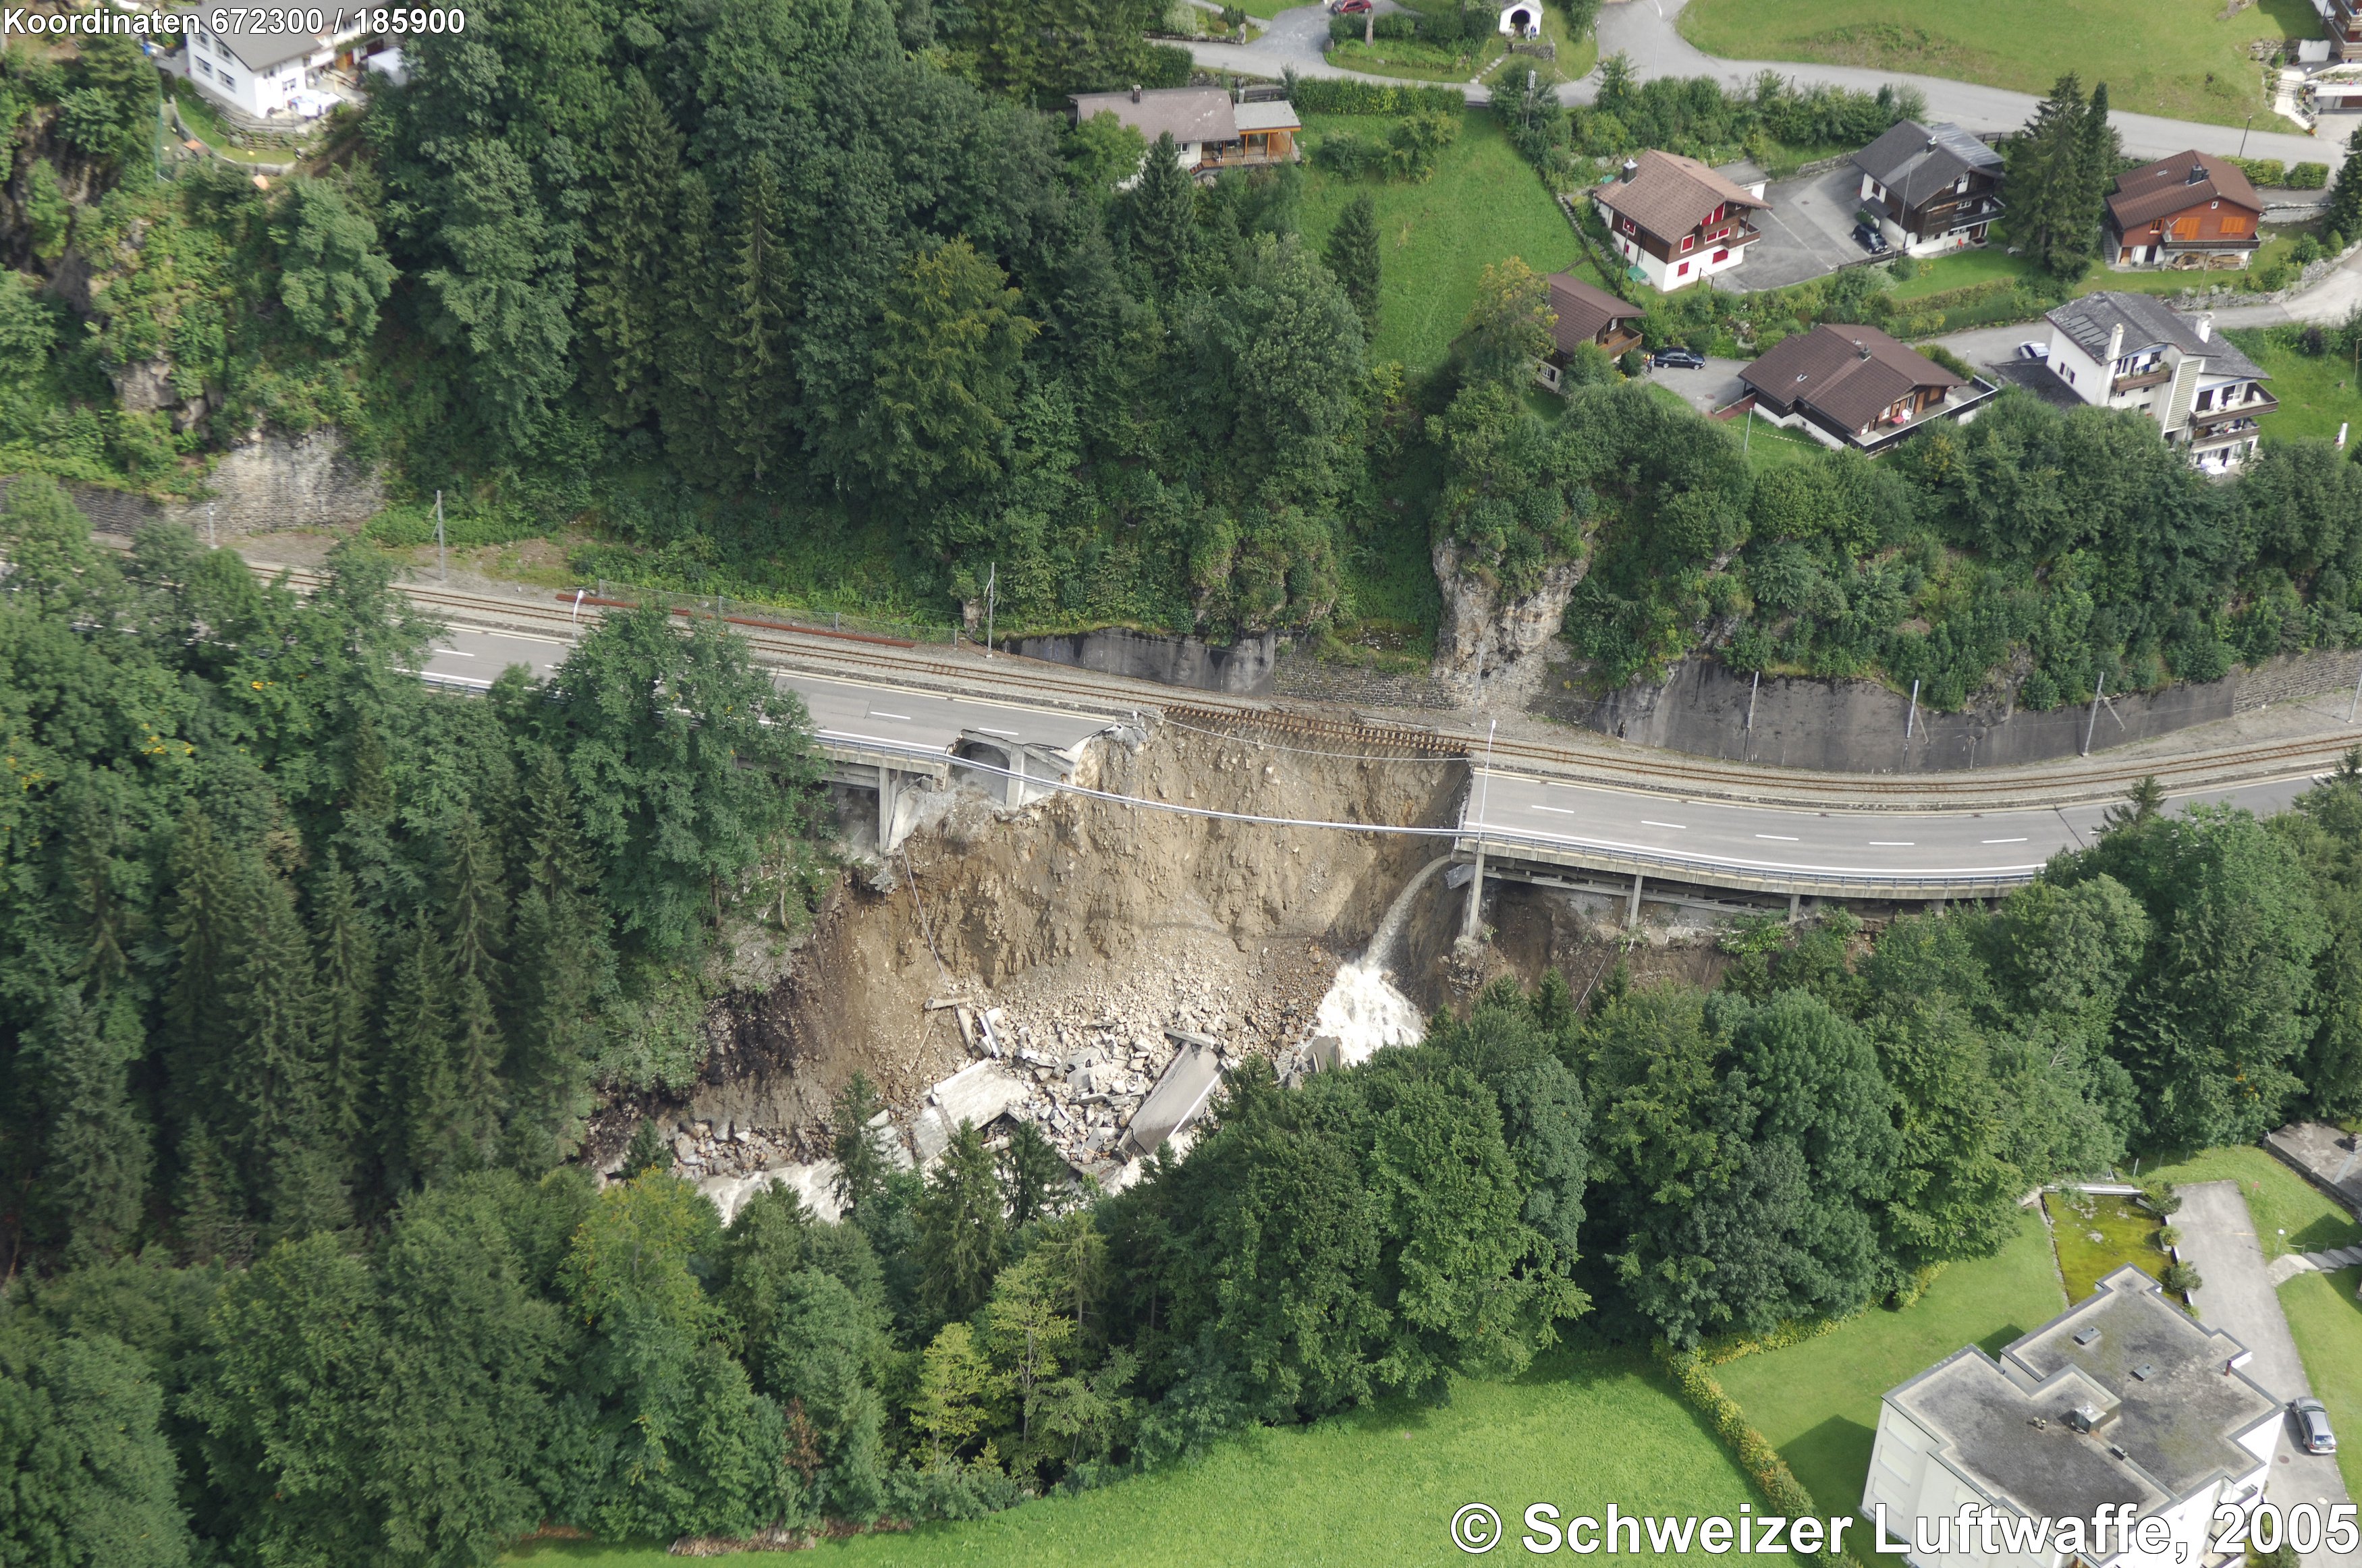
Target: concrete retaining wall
1244,669
1853,726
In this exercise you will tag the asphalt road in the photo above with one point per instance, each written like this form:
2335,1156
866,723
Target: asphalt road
2218,1237
1643,31
841,709
1773,841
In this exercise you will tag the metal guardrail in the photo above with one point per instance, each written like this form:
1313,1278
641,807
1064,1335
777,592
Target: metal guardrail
1722,874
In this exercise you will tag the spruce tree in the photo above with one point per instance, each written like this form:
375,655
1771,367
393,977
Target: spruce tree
689,351
418,1090
860,1161
204,873
2345,217
1352,255
274,1018
756,294
2097,158
2053,183
963,1234
93,1177
1033,1174
562,964
475,931
212,1201
1161,215
347,970
624,280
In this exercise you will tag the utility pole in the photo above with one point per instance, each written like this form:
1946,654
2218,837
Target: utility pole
1913,716
2357,695
991,585
2094,722
1483,798
2243,135
442,561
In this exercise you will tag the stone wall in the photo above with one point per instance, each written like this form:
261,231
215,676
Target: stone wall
271,484
1243,668
1854,727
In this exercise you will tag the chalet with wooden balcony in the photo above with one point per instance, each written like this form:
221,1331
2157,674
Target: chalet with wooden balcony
1855,386
2133,351
1932,188
1212,131
1675,221
2191,210
2341,20
1584,314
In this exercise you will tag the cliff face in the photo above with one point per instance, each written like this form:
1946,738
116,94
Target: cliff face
1495,639
267,484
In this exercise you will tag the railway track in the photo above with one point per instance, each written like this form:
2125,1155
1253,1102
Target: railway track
1012,677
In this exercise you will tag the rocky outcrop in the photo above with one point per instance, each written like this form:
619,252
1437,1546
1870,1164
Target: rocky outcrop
269,483
1491,643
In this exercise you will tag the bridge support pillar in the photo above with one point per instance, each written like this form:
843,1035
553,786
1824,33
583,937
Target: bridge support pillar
889,798
1795,908
1632,905
1473,919
1015,795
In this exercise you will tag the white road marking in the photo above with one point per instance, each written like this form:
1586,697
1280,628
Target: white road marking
1675,826
875,715
461,653
1783,837
2000,841
527,637
1559,811
1891,843
988,729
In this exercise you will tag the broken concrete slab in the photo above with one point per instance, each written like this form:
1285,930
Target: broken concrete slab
1178,1099
979,1094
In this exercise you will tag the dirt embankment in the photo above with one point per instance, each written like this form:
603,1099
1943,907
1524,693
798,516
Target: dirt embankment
1085,919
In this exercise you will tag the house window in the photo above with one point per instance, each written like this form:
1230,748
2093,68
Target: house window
205,70
1688,240
1720,257
1628,225
1715,216
1684,271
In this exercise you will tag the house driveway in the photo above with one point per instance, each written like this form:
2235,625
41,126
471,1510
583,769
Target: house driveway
1716,386
1807,233
2218,1237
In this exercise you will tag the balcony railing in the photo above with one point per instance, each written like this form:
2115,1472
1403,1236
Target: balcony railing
2226,436
2252,407
2155,377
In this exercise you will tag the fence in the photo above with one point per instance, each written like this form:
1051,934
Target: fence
756,614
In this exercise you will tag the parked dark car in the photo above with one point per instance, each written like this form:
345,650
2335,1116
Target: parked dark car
1678,359
1870,239
2313,1426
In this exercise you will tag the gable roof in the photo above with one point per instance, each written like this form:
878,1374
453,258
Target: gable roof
1584,310
1915,162
2149,323
1670,194
2184,180
1852,374
1191,113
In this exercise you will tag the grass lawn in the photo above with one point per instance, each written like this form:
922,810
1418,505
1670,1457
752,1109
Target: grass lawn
2125,1234
2327,1322
2177,58
1769,447
2291,1215
1415,61
2316,395
1379,1487
1482,203
1817,1402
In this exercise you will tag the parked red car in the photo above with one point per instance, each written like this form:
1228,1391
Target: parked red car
1347,7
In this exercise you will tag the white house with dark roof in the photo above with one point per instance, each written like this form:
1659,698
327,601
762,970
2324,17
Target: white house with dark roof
2124,350
1676,222
261,72
2122,1403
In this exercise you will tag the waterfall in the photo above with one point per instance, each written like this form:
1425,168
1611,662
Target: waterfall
1364,1009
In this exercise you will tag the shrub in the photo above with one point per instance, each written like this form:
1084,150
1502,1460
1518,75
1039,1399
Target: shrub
2305,251
1754,1452
1338,95
2159,1197
1948,360
2308,176
1902,269
2040,693
2180,1278
2267,171
1634,362
2167,1238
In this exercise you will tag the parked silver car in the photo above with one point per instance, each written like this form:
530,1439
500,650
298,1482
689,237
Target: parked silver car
2313,1426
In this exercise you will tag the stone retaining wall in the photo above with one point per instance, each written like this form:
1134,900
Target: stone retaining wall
270,485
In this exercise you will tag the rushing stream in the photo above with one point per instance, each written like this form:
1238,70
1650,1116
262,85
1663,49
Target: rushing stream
1362,1007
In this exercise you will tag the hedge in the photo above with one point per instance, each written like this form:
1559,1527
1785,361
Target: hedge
1752,1449
2272,173
1343,95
